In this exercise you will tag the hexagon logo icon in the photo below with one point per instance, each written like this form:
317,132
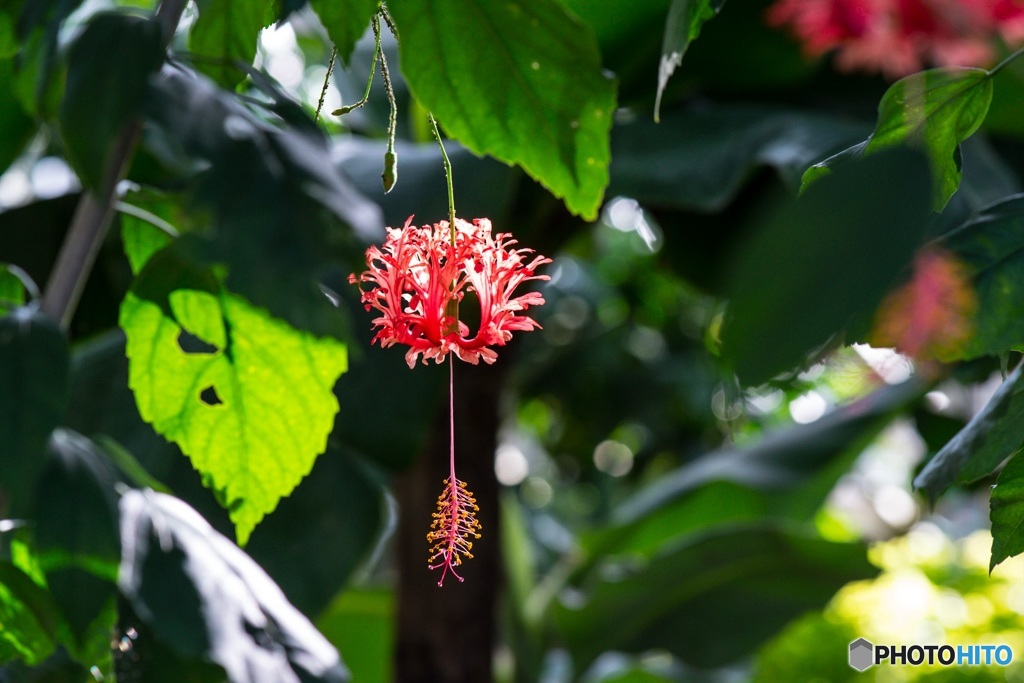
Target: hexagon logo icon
861,654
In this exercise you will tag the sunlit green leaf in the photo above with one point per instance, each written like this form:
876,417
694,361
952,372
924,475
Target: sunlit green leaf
685,19
822,261
109,65
225,34
12,290
33,374
346,21
206,599
991,246
527,89
142,239
27,616
248,398
1007,513
994,434
933,110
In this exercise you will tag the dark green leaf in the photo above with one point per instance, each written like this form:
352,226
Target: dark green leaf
1007,511
699,157
8,39
991,246
225,36
787,473
994,434
278,210
346,21
38,30
933,110
685,19
109,65
829,257
361,623
205,598
77,528
248,398
534,95
28,616
15,125
33,374
341,500
696,600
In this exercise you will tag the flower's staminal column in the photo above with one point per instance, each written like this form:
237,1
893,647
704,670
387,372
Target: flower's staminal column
455,525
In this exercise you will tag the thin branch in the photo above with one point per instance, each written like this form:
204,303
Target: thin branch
327,82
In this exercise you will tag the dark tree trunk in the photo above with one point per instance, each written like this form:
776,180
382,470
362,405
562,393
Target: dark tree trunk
446,634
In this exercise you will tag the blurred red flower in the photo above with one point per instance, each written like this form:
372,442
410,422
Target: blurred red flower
418,277
932,315
899,37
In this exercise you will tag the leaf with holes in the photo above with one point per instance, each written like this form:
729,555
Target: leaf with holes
248,398
528,89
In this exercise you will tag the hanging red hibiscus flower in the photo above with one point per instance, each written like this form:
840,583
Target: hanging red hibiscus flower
417,280
419,276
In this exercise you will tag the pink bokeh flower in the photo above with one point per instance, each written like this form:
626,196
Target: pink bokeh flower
899,37
418,278
931,315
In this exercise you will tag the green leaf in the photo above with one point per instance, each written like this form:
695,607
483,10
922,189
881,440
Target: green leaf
14,285
689,598
685,19
8,39
361,623
531,93
225,35
345,21
15,125
991,246
342,498
933,110
108,67
34,377
206,599
248,398
28,616
142,237
76,531
1007,513
994,434
829,257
